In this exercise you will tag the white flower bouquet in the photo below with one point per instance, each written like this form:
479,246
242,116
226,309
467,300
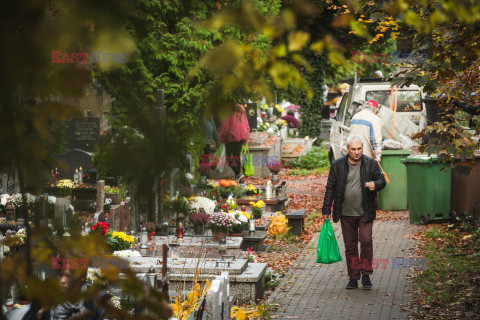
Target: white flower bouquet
208,205
127,253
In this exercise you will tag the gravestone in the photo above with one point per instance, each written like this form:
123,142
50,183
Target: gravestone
217,300
4,183
100,196
74,159
60,209
251,111
12,184
174,178
41,215
82,133
125,215
115,213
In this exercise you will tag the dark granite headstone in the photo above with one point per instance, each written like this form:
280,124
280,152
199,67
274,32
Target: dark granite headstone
252,115
82,133
296,221
74,159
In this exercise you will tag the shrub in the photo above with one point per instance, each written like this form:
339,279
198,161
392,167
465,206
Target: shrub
315,158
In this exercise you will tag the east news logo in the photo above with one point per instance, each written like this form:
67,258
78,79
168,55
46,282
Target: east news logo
84,57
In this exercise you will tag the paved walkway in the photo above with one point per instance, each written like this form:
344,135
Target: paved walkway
314,291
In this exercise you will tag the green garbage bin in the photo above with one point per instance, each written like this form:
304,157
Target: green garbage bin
428,189
394,196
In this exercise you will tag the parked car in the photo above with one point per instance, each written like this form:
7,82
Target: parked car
409,105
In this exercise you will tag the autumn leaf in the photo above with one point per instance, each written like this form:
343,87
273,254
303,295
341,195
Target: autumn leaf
297,40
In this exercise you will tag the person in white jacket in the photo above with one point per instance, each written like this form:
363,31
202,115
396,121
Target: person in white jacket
368,125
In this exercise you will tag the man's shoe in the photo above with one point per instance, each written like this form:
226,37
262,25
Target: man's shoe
366,283
352,284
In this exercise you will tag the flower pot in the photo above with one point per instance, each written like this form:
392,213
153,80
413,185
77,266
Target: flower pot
199,229
219,235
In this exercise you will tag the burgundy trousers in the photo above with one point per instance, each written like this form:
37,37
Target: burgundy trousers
355,229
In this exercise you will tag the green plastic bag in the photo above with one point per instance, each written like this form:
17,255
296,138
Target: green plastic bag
327,247
248,164
220,157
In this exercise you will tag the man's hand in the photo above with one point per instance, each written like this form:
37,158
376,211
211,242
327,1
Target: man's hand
378,160
324,217
370,185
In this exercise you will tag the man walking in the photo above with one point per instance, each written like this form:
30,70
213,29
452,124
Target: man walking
368,125
352,186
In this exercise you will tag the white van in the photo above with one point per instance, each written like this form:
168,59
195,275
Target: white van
409,105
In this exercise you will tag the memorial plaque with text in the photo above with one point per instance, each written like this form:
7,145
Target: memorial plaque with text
252,115
82,133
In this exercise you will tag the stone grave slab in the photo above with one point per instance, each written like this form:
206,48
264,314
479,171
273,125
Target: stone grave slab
248,287
271,204
254,240
246,279
188,265
232,242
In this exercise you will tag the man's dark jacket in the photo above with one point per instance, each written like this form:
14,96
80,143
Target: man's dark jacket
337,182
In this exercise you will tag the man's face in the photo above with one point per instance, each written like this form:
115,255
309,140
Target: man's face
64,279
355,151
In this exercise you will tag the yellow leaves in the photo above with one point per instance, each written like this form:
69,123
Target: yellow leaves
337,58
359,28
297,40
182,310
177,308
282,73
411,18
342,20
193,295
437,17
317,46
279,225
113,41
223,58
280,51
238,313
299,60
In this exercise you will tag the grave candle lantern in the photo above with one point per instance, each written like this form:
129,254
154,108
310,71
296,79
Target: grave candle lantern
251,225
180,230
80,175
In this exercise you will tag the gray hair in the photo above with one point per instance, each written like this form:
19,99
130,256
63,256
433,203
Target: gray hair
354,138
